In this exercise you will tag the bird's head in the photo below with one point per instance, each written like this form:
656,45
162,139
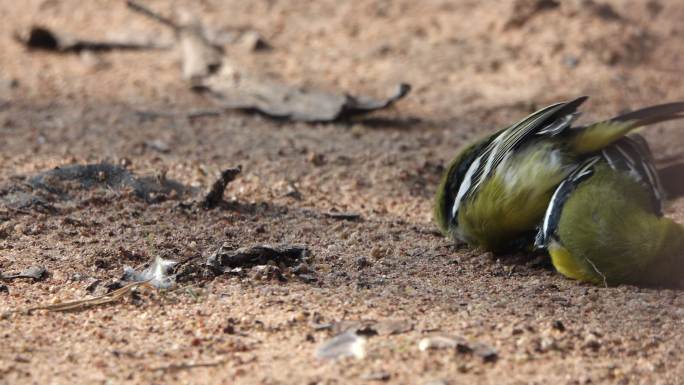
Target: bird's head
445,216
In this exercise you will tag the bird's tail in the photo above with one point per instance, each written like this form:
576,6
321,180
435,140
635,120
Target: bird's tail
597,136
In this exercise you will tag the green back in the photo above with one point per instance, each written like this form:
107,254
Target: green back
609,226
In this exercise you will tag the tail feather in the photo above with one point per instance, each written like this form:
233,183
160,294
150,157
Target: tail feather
652,114
600,135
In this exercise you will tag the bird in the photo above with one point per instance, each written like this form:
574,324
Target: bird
495,192
605,225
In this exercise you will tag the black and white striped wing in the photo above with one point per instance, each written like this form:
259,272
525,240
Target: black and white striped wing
632,156
560,196
549,121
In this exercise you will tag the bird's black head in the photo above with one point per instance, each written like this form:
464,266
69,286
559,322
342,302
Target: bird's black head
451,182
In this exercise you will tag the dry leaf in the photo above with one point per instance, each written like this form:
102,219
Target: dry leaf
234,89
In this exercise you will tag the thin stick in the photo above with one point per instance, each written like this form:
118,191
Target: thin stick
178,367
141,9
89,302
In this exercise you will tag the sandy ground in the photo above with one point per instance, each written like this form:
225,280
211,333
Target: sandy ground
474,66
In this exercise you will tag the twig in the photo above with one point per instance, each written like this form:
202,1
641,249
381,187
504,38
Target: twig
215,194
184,366
141,9
343,216
81,304
193,114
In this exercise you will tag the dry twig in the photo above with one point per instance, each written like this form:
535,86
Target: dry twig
81,304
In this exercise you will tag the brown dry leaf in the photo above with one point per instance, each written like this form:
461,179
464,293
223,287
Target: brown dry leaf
208,69
238,90
34,272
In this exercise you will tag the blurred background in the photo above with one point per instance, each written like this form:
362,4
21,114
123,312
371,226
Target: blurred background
473,66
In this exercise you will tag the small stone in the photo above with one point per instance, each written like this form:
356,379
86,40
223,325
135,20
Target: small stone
20,228
358,130
347,344
253,41
377,252
392,327
592,343
22,359
546,344
558,325
90,288
113,285
443,342
376,376
302,268
362,263
307,278
570,61
158,145
301,316
101,263
316,158
78,277
486,352
4,289
267,272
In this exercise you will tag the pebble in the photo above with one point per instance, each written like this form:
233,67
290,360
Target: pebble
443,342
347,344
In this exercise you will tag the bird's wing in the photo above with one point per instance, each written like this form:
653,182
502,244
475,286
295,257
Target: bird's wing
549,121
563,191
632,155
629,155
